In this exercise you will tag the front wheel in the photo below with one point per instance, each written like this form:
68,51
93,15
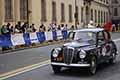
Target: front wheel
56,69
113,59
93,66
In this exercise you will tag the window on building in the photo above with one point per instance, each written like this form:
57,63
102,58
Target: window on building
95,16
91,14
82,12
98,16
62,12
77,14
70,13
43,11
104,17
107,16
115,1
106,1
54,16
23,9
115,11
8,10
101,17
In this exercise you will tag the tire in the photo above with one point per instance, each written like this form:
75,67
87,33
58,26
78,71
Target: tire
56,69
113,59
93,66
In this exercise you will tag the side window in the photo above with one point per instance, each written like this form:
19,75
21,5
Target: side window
71,35
100,38
107,36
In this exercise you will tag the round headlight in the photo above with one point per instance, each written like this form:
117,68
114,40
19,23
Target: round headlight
82,54
55,53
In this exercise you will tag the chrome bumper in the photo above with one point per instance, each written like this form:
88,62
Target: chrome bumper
70,65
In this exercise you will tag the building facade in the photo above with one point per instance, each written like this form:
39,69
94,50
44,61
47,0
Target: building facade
115,10
58,11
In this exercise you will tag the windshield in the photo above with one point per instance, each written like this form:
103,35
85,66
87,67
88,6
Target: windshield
85,36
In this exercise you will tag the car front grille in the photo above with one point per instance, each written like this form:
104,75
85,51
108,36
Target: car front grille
68,54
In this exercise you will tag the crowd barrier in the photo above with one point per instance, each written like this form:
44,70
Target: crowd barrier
29,38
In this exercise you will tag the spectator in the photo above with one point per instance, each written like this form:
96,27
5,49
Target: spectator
82,25
113,27
62,27
98,26
42,28
66,27
108,26
59,27
52,27
32,28
18,28
91,24
12,30
77,26
4,30
8,28
24,27
72,27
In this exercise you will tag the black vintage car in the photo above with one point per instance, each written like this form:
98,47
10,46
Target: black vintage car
85,48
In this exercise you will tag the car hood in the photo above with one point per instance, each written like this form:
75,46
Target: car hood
77,44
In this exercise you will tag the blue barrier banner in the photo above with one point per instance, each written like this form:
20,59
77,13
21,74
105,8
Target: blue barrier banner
33,38
17,39
65,34
41,36
59,35
54,35
48,36
5,40
26,37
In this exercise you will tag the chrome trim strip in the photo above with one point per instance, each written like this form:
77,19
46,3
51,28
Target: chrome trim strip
70,65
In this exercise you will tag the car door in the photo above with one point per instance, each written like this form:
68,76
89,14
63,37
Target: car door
108,43
101,44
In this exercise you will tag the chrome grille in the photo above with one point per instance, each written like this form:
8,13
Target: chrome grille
68,54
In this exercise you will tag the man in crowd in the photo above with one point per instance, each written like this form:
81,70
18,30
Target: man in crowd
42,28
18,27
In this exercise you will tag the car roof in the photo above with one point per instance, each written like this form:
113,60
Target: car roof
89,30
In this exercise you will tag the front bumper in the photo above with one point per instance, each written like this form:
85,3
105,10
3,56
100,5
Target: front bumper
70,65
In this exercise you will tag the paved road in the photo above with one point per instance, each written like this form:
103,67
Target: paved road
19,59
105,72
14,60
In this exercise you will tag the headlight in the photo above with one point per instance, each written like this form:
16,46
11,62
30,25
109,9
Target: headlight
55,53
82,54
